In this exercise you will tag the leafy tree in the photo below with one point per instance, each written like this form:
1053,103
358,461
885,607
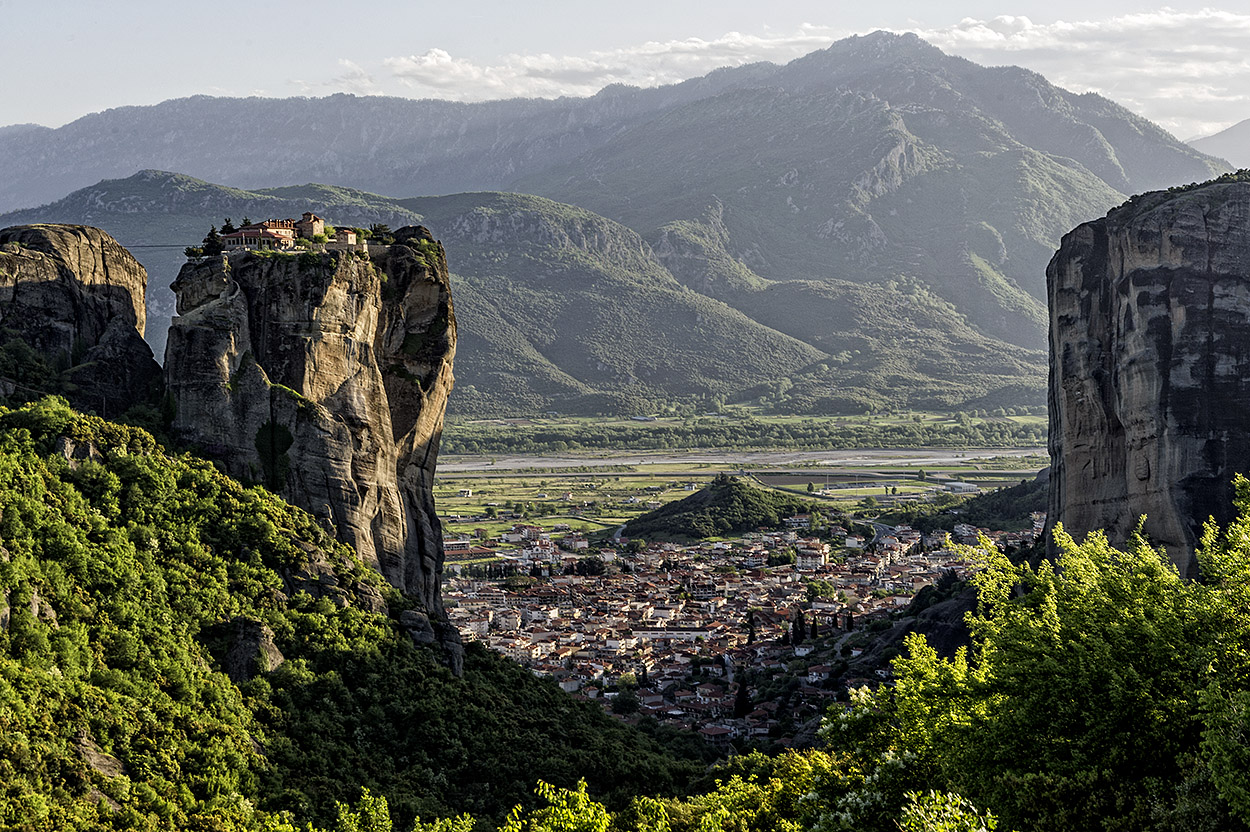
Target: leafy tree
944,812
818,588
1076,707
566,811
590,566
625,701
371,814
782,558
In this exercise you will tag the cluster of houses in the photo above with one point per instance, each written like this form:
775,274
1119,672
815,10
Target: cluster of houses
683,621
282,234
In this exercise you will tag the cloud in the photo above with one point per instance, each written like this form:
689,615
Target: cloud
1189,71
354,78
648,64
1186,70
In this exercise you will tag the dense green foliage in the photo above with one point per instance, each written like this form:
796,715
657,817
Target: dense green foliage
1005,508
1102,692
738,432
123,576
726,506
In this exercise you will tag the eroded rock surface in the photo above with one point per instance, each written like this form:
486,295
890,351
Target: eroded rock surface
76,297
1150,366
325,377
252,653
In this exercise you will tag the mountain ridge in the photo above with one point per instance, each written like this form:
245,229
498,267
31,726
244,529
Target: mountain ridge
224,139
866,226
1231,142
515,258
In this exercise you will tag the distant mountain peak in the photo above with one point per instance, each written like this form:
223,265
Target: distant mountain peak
1232,144
884,45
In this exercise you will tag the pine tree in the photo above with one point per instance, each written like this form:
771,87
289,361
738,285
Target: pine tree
742,702
212,243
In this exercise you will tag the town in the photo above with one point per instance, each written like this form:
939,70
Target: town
744,640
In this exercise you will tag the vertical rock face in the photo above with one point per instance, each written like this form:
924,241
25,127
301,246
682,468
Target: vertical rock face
325,377
1150,366
76,297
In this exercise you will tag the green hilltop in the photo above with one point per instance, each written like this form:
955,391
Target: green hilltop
728,505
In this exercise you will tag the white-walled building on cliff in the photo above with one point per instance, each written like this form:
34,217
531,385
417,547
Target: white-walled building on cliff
282,234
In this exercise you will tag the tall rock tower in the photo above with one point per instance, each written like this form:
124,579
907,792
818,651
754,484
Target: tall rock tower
325,376
75,297
1150,366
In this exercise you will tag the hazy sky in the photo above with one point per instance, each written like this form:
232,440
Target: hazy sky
1184,65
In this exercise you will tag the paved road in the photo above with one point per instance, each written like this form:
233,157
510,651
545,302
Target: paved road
880,530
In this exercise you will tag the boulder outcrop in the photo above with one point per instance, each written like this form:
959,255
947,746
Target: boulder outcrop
325,376
76,297
1150,366
252,652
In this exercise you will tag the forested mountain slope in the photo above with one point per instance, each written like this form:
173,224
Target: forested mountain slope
179,651
562,309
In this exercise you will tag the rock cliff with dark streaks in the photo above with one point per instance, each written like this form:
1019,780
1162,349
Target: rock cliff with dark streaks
1150,366
75,298
325,376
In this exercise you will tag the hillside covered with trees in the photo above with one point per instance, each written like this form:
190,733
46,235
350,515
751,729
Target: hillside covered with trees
178,651
726,506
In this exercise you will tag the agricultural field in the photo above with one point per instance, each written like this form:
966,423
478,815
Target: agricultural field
598,496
